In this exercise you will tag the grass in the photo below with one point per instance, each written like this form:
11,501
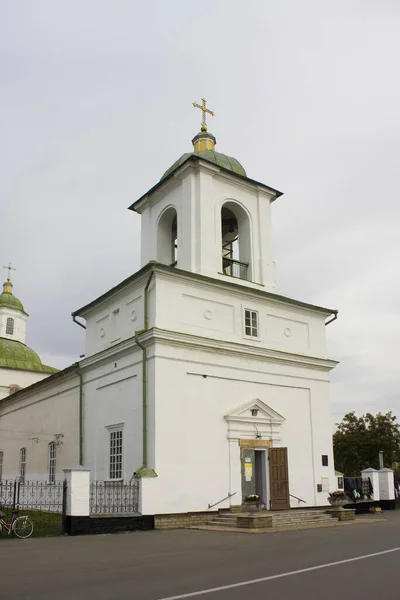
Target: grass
45,523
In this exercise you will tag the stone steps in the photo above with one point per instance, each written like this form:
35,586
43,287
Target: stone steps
279,518
216,522
224,519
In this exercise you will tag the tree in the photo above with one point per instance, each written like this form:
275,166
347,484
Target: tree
358,441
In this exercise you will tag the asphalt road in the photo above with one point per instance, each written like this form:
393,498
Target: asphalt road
188,564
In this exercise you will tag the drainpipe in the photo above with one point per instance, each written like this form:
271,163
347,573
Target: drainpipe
144,470
80,427
333,317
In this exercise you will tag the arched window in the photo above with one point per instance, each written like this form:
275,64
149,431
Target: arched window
22,464
10,326
236,241
167,237
52,462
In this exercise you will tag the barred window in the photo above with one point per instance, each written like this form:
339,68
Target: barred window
52,462
22,464
10,326
1,464
251,322
116,454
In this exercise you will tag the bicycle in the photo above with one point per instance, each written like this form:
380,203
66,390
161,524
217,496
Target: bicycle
22,527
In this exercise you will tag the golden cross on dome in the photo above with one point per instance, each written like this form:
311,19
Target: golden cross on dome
10,268
203,107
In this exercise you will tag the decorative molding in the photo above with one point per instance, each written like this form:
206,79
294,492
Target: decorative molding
268,415
172,338
237,288
104,385
250,430
252,371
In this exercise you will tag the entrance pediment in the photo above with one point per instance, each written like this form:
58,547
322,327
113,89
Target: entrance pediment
255,411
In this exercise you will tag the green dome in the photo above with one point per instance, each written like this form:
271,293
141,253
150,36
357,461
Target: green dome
222,160
9,301
15,355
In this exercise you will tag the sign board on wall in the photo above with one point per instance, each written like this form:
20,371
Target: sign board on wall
245,443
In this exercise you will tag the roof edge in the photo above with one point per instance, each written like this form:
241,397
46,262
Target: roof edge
193,158
34,386
77,313
161,267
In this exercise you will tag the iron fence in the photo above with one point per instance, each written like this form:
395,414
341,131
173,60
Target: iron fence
7,494
41,495
44,502
114,497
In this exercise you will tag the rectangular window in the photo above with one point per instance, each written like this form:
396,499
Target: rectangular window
251,322
22,464
52,462
324,460
325,484
1,464
340,483
116,454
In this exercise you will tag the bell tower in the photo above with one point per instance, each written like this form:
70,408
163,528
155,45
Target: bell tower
207,216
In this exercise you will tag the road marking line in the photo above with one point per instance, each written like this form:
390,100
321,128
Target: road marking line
270,577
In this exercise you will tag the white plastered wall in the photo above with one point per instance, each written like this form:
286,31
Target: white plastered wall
35,417
113,399
11,377
196,463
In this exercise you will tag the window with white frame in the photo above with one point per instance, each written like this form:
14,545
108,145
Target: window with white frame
52,462
116,454
10,326
1,464
325,484
22,464
251,322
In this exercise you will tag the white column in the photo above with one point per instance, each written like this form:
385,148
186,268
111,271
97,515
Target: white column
386,484
78,490
373,475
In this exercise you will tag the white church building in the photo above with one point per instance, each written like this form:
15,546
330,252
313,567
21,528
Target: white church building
198,377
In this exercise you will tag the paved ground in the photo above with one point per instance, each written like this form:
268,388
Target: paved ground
177,564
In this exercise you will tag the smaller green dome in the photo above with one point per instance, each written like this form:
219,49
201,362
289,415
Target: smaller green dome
9,301
15,355
222,160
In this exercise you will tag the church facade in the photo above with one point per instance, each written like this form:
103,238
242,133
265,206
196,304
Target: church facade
198,377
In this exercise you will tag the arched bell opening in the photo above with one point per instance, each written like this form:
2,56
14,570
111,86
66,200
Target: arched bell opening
167,237
235,234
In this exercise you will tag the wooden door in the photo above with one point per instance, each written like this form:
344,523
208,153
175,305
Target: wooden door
278,479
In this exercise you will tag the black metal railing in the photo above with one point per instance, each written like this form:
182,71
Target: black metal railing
114,497
43,502
298,499
223,499
234,268
32,495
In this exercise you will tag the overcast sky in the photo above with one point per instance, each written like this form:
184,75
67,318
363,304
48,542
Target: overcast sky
96,104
